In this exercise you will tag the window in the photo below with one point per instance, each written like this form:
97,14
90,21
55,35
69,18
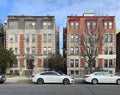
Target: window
110,50
33,25
44,37
71,62
49,38
105,38
108,63
76,63
49,50
111,63
76,25
11,39
106,50
16,50
13,25
105,63
72,72
16,37
71,25
105,25
77,72
33,37
45,50
27,25
44,24
27,50
72,38
76,38
88,25
49,25
33,50
110,25
94,25
110,38
76,50
94,38
27,38
88,38
72,50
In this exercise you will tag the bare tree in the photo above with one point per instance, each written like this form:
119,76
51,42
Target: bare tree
91,42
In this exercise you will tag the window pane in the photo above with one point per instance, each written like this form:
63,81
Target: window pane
16,37
72,25
44,37
105,63
33,37
76,50
45,50
27,50
110,50
76,25
76,63
76,38
110,38
105,25
72,50
49,50
33,25
88,25
94,25
111,63
72,38
71,62
106,50
110,25
49,38
105,38
27,25
33,50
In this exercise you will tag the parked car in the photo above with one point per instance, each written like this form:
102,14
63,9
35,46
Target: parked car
101,77
2,78
52,77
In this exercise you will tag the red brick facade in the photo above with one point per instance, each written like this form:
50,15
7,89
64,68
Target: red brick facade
39,43
21,44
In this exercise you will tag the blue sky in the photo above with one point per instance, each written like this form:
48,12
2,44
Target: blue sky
60,9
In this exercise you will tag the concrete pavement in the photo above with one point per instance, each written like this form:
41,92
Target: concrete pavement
26,80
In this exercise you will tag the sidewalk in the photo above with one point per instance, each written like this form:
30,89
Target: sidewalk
26,80
18,80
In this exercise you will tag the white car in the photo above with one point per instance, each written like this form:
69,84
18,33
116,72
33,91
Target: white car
52,77
101,77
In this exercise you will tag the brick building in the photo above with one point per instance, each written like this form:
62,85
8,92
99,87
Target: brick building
32,38
79,29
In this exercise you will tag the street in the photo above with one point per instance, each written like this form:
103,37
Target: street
59,89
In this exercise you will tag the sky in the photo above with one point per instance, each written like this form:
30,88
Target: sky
60,9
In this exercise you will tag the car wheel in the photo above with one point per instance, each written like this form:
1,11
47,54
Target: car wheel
1,82
40,81
118,81
94,81
66,81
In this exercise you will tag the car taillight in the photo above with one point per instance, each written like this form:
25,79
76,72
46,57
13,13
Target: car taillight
86,76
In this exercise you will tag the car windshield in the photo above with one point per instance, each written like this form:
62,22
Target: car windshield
50,73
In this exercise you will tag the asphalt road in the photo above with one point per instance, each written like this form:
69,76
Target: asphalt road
59,89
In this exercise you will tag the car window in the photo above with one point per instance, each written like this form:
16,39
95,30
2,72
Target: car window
48,73
107,74
99,74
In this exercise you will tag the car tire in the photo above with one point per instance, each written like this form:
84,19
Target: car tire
1,82
94,81
66,81
118,81
40,81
